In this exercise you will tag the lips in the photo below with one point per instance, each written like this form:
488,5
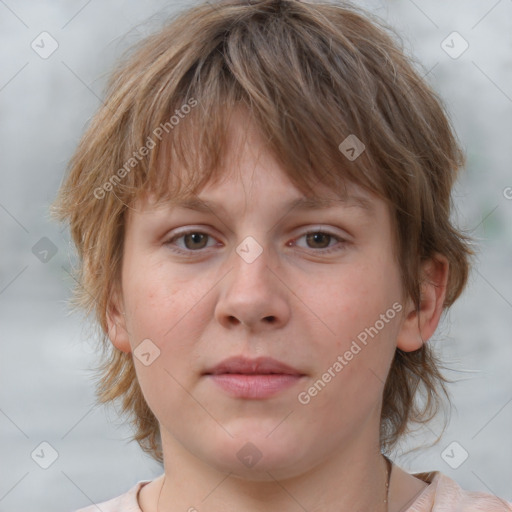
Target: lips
254,379
258,366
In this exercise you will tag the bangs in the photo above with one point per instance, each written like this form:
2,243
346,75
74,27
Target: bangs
302,112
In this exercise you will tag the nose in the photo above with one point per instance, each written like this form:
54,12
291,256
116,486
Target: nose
253,294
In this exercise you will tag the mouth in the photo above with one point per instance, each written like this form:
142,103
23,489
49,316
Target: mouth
258,366
259,378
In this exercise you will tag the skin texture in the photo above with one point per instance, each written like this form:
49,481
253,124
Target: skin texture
294,303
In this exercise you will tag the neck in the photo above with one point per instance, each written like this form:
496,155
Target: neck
354,479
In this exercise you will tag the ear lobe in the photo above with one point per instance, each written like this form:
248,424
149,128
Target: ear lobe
419,325
116,322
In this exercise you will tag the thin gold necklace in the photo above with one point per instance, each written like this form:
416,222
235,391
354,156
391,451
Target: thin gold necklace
389,468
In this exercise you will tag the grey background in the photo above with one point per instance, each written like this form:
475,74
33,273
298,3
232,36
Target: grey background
46,392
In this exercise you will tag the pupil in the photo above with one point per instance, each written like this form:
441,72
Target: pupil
316,237
195,237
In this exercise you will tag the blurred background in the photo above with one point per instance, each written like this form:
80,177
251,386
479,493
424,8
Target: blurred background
54,59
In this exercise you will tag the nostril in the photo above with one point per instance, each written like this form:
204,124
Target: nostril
269,319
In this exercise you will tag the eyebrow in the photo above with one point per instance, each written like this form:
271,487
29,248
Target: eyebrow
300,203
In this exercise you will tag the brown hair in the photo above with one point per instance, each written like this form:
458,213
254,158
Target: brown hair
309,75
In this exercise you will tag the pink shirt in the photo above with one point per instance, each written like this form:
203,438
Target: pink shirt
442,495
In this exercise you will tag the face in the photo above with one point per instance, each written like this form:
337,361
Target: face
309,294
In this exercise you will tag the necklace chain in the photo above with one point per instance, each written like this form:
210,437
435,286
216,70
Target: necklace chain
389,468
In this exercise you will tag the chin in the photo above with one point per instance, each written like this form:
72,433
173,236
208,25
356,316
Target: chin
252,454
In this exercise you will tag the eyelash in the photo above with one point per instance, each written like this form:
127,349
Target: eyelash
189,252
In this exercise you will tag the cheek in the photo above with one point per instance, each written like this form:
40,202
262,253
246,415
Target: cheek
348,302
156,298
150,308
167,311
353,359
173,312
357,348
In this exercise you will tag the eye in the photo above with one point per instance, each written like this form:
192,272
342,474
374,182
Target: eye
322,240
193,241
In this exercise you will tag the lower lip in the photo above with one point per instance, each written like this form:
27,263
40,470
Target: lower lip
254,386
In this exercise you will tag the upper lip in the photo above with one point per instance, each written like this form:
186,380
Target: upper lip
258,366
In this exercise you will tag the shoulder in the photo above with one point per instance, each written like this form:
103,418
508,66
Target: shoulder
126,502
445,495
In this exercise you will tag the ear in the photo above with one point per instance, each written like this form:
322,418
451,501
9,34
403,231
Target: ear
419,325
116,322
